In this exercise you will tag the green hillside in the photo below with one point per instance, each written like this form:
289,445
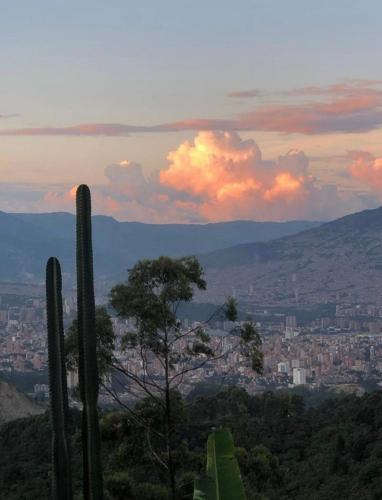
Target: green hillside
285,450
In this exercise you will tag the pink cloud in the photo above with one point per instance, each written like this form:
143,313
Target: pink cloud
367,169
217,176
228,178
60,200
346,108
246,93
351,87
84,129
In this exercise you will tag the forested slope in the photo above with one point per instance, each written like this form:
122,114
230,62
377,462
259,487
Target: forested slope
285,450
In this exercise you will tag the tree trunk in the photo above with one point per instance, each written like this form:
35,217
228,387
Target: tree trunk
171,467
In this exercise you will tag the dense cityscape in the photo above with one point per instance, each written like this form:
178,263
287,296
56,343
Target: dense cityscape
343,351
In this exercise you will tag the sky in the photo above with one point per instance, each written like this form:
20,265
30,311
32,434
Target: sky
192,111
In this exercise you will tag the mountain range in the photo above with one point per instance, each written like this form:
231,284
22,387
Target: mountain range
27,240
339,261
267,263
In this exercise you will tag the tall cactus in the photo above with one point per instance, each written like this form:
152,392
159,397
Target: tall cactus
62,480
88,370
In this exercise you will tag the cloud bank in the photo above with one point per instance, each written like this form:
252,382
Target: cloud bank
215,177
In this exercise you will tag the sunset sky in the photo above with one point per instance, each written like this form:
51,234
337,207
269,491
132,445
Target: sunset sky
192,111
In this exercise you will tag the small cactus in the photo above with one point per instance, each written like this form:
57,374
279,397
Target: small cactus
62,479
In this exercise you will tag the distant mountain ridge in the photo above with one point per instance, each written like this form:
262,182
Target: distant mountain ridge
27,240
339,261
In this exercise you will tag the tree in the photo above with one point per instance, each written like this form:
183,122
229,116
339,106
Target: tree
105,340
150,298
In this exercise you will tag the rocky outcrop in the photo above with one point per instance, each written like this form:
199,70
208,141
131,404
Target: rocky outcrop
14,404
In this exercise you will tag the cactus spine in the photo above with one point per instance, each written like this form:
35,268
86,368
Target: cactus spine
88,370
62,480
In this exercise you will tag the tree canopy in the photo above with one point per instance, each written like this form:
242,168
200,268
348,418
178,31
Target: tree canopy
285,450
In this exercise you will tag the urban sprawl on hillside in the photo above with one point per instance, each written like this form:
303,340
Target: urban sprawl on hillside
343,350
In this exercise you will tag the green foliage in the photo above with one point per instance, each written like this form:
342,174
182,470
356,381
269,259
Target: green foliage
285,450
25,458
148,491
223,479
251,344
62,477
105,342
230,309
202,335
119,485
88,369
261,467
151,296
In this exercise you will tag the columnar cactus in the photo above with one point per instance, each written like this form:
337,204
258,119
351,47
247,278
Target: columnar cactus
62,480
88,370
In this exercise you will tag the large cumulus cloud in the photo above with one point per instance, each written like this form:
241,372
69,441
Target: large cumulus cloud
227,178
217,176
368,169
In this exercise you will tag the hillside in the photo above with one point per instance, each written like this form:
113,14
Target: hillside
285,450
339,261
14,404
29,239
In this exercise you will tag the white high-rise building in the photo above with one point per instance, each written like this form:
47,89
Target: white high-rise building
283,367
299,376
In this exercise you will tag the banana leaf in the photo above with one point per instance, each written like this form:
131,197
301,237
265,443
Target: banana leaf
223,479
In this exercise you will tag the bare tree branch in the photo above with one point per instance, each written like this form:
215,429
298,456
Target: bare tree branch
138,420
